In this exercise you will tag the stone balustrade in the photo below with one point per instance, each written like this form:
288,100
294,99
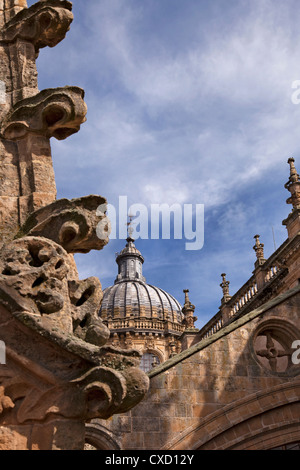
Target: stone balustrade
143,324
242,298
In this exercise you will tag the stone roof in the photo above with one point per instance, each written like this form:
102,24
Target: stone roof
140,299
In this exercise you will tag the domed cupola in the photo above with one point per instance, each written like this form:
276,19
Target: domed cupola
138,314
130,262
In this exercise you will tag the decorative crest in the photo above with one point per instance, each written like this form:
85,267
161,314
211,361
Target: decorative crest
188,311
130,228
225,288
293,185
259,248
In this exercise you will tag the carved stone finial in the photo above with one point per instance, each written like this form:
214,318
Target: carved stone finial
292,222
130,228
188,311
293,185
225,288
186,293
294,177
259,248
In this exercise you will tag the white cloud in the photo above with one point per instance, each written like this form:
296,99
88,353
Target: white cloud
234,89
195,123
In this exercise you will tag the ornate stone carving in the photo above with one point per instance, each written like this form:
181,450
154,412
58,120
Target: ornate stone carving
259,248
58,371
43,24
272,346
188,311
42,272
39,288
71,223
293,185
28,118
272,351
225,288
98,393
55,113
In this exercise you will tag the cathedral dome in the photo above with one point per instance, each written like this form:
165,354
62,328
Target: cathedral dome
138,299
132,297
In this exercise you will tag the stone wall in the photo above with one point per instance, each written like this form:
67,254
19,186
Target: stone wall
226,395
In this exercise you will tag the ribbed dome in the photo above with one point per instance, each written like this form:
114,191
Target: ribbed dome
137,298
130,296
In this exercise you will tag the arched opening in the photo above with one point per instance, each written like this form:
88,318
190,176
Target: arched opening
149,360
98,437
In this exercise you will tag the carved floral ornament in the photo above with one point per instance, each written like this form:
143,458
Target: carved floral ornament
271,347
39,286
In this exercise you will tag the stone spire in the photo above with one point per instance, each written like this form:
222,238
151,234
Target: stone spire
225,288
293,186
29,118
259,250
188,311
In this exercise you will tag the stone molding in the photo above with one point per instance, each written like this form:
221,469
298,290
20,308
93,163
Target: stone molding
70,223
57,112
43,24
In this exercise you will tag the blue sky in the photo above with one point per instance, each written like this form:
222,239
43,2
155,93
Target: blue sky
189,102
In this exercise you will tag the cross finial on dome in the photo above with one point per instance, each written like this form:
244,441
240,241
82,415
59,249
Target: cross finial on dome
130,228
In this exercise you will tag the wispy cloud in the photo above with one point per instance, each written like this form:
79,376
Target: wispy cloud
188,102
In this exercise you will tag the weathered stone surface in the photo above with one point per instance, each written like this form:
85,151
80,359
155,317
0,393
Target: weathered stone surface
58,373
40,271
218,394
43,24
28,117
53,336
71,223
53,113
